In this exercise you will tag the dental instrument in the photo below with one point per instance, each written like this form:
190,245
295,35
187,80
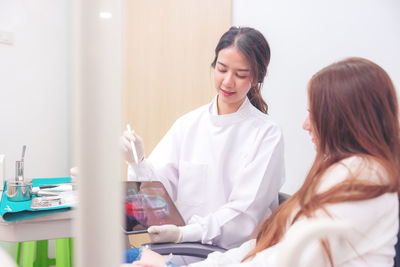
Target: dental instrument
135,156
52,189
19,166
23,152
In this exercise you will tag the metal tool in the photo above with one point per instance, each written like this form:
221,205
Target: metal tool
19,166
19,190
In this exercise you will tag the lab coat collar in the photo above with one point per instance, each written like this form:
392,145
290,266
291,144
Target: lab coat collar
227,119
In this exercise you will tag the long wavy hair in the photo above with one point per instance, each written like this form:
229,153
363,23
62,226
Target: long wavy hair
255,48
353,112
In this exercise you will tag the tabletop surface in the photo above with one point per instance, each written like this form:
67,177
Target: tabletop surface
46,227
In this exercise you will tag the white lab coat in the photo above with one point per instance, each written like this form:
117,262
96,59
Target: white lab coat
375,223
223,171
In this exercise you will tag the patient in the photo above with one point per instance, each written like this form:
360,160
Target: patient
353,121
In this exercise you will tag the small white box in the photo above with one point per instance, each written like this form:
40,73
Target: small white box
2,171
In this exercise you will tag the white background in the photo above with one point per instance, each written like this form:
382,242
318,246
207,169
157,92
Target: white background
305,36
35,86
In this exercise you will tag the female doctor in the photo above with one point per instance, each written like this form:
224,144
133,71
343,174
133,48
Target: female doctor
223,162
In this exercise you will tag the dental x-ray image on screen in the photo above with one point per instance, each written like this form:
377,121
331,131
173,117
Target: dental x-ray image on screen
147,204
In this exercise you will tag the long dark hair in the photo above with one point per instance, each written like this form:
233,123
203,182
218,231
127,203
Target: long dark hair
255,48
353,112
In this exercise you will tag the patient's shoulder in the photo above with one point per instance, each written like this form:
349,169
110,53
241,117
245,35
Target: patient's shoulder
356,168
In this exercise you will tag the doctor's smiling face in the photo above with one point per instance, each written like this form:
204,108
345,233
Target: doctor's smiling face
240,64
232,79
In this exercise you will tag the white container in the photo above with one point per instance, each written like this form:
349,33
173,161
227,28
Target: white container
2,172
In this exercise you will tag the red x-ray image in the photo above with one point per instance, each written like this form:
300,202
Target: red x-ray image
148,203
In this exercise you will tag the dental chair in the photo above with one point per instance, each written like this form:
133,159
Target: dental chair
194,249
397,247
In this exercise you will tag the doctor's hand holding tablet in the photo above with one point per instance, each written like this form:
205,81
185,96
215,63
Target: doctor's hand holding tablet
222,163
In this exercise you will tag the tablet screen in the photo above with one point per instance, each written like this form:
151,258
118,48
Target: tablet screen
146,204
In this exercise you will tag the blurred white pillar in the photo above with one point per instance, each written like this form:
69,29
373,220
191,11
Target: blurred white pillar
97,71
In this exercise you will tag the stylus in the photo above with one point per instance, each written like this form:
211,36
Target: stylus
136,232
133,145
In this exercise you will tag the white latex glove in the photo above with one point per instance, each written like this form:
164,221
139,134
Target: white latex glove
165,233
126,147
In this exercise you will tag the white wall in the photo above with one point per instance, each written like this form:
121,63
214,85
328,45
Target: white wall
304,37
35,86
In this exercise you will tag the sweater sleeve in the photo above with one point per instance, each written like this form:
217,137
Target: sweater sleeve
371,242
373,225
231,256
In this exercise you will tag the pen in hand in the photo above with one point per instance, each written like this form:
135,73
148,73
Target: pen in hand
133,145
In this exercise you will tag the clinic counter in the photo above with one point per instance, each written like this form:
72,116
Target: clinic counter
46,227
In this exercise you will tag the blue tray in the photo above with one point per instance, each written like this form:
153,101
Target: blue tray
14,211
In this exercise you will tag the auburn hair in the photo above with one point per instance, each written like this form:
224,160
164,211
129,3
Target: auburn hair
353,112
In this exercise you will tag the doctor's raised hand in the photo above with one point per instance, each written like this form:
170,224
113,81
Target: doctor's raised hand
222,163
130,141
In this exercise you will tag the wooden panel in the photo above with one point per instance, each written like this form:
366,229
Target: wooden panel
169,48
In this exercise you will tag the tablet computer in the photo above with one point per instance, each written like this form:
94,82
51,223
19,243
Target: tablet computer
147,204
